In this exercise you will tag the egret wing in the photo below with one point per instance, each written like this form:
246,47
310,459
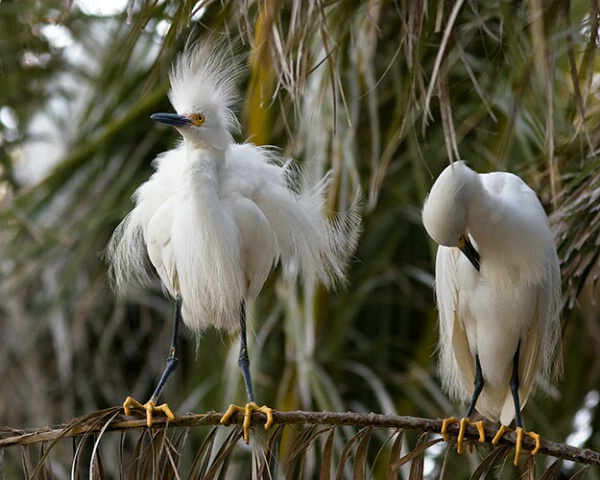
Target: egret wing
258,243
456,363
298,221
145,232
160,247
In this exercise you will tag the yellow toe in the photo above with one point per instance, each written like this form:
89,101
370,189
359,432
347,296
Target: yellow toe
247,411
164,408
501,431
268,411
130,403
519,433
231,411
538,441
150,407
445,423
463,422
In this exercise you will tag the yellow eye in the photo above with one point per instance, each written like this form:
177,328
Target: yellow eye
197,119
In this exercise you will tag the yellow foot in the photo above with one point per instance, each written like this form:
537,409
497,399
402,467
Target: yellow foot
247,410
150,408
519,432
462,430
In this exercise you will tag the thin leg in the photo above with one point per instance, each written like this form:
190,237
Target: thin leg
243,360
244,364
519,432
172,361
514,388
478,387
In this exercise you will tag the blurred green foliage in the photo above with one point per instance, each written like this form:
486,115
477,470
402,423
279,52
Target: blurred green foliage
384,92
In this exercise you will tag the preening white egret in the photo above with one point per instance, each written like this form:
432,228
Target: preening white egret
498,293
217,216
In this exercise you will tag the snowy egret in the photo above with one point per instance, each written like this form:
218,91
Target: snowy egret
217,216
498,294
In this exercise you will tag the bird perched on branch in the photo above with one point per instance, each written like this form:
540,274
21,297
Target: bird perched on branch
498,292
217,216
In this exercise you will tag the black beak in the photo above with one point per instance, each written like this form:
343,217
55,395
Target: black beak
172,119
468,249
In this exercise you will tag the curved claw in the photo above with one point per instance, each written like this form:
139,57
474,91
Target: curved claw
501,431
130,403
150,407
445,423
538,442
247,411
463,428
519,433
464,422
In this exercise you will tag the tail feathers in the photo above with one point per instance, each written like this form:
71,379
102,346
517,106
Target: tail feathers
500,406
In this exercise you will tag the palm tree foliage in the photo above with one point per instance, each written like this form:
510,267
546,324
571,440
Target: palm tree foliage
384,92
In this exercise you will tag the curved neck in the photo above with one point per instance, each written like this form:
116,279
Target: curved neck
206,159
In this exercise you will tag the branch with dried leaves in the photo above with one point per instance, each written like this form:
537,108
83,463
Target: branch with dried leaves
112,419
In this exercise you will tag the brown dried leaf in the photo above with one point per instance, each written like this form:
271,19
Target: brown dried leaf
360,458
394,454
202,458
581,473
483,468
419,449
268,464
339,475
553,471
221,461
308,437
26,461
416,468
529,468
326,462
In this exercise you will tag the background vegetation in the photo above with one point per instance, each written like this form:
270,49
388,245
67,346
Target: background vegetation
384,92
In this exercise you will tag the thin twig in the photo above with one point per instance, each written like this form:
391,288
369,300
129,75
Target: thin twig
91,424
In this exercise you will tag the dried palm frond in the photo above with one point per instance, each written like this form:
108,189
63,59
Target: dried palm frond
380,445
577,229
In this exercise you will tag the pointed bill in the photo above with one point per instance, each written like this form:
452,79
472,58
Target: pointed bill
173,119
468,249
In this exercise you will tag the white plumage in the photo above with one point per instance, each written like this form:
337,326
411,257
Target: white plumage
514,299
216,216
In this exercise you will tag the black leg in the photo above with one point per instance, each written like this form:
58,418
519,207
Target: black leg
172,360
244,361
520,433
251,406
514,388
479,382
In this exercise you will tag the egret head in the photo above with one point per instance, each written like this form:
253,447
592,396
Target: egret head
445,211
203,92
